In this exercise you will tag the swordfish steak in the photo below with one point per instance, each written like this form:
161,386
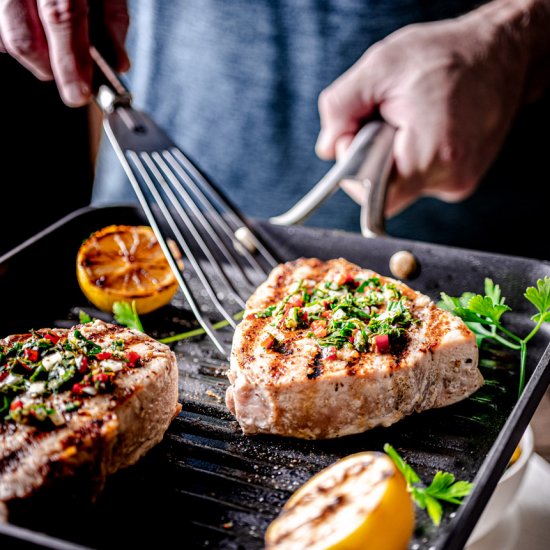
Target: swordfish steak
79,404
328,349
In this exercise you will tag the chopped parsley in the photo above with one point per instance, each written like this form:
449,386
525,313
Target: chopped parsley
349,312
45,375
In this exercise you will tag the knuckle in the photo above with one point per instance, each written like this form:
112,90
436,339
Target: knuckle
63,13
329,102
22,47
323,99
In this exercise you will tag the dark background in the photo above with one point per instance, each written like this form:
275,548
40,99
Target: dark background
46,168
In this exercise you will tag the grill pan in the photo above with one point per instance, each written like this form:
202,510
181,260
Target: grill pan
208,486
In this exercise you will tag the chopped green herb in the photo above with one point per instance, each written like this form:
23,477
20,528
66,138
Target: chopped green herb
82,342
267,312
4,404
351,312
47,363
117,345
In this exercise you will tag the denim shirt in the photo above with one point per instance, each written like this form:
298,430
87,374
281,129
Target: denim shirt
236,83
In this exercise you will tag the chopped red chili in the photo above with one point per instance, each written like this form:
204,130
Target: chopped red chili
267,341
53,338
77,389
31,354
83,364
382,342
132,357
329,353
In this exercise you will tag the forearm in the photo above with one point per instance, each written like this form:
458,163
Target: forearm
521,29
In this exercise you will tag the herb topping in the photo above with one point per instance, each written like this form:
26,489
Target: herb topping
362,314
45,364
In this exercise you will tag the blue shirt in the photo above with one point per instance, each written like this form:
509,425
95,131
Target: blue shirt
236,84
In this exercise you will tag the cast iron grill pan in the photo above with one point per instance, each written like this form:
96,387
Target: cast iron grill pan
208,486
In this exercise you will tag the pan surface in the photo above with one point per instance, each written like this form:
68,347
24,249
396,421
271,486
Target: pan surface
208,486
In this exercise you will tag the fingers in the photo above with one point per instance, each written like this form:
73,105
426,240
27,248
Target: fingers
402,192
342,107
65,24
342,143
116,20
23,38
51,39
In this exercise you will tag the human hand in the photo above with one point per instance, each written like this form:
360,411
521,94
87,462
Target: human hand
51,39
450,88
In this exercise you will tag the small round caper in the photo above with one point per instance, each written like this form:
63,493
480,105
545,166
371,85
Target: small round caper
403,264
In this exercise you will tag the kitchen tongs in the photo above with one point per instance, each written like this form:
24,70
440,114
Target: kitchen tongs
367,161
229,261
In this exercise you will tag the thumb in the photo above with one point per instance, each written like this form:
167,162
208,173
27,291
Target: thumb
343,106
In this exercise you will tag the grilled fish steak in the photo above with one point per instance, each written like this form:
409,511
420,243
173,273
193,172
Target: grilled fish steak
83,402
328,349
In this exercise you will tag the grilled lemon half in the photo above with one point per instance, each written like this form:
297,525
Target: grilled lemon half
360,502
125,263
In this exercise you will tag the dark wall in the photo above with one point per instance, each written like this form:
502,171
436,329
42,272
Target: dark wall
45,165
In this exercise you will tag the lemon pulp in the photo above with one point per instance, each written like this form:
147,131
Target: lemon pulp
125,263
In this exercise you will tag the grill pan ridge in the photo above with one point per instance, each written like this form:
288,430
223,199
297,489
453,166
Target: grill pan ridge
208,486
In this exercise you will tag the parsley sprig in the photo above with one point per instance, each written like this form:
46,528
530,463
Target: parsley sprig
483,313
443,487
125,313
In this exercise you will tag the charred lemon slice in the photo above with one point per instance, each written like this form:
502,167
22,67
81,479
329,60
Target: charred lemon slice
125,263
360,502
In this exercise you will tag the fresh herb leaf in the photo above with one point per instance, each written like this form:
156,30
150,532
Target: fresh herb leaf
125,314
483,315
84,318
493,291
540,298
434,509
409,474
486,307
443,487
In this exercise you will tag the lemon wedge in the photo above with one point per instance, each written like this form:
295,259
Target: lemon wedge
515,456
359,502
125,263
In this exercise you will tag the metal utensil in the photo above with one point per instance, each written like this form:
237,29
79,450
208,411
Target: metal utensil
172,191
368,160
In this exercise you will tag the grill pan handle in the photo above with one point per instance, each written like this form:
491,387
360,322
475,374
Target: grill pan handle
367,160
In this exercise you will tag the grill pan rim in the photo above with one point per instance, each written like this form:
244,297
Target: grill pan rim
495,461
